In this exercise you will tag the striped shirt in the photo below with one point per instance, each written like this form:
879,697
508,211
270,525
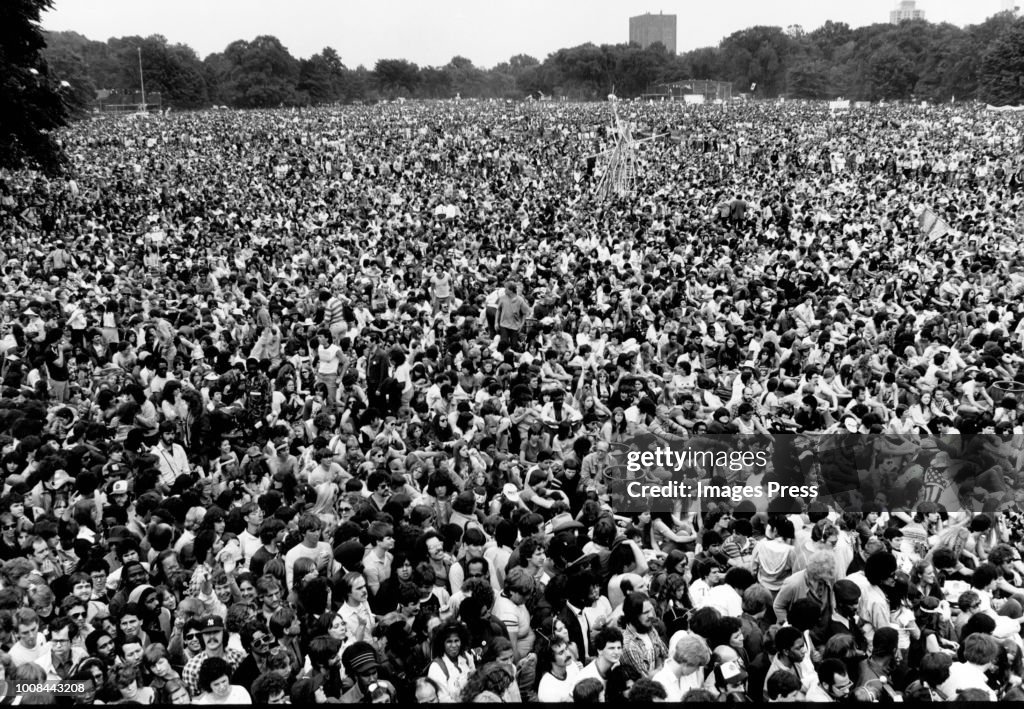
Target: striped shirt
334,312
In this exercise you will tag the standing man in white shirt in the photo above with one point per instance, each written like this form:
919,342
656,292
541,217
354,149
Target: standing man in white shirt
441,288
328,357
249,539
310,547
31,644
172,460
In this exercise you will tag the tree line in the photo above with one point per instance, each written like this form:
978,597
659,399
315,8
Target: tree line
914,60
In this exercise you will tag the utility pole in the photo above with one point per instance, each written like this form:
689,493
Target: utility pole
142,83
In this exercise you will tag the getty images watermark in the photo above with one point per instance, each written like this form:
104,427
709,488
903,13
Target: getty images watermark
657,474
694,459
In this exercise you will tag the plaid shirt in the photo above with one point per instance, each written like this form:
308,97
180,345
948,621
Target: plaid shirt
636,652
190,674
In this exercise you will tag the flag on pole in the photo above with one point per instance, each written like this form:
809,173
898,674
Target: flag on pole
932,225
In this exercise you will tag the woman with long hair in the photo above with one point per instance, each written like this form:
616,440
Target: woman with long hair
489,683
326,500
551,630
924,582
617,429
592,410
386,598
452,663
901,615
174,692
285,404
674,603
603,388
196,428
172,405
937,631
303,571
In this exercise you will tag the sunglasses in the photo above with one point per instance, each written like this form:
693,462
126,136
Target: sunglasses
9,526
192,636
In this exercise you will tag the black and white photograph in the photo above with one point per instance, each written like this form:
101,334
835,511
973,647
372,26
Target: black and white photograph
580,351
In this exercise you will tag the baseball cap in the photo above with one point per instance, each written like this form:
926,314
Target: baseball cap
359,658
211,623
120,487
510,492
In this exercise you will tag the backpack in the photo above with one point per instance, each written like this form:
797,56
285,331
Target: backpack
444,668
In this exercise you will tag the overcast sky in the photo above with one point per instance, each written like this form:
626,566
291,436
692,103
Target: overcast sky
431,32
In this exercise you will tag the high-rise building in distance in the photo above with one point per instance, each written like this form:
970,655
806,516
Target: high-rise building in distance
647,29
907,10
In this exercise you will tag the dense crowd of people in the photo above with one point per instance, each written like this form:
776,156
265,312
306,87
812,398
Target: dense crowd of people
328,406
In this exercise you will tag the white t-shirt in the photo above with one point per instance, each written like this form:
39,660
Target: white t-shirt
442,285
301,551
590,672
21,655
725,598
551,689
237,695
516,619
250,544
330,359
672,684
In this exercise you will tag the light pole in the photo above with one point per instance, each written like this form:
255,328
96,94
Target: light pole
142,82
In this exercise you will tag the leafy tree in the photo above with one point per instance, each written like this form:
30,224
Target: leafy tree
322,77
173,70
829,37
464,78
638,69
360,85
98,63
434,83
521,62
912,60
758,56
809,80
31,105
261,73
1002,69
396,77
67,65
891,74
217,70
701,63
